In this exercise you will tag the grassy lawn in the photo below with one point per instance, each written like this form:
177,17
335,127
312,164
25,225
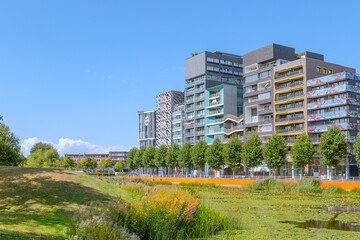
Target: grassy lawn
38,203
260,213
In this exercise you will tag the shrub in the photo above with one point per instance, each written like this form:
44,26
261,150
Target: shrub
207,185
334,190
99,222
267,184
312,185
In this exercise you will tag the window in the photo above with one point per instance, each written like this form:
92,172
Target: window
324,71
330,71
318,69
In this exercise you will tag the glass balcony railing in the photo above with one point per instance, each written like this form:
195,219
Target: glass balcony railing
214,95
287,85
288,74
200,132
290,118
332,102
290,106
332,90
215,112
331,115
291,95
201,123
200,106
200,89
189,133
215,103
189,100
323,128
290,129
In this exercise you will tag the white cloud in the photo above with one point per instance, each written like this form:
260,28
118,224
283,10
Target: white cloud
67,145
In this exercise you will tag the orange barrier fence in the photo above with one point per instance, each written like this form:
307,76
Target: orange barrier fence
238,182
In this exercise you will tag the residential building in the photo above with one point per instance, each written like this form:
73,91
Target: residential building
147,128
220,100
178,121
117,156
334,100
97,156
202,71
165,104
290,91
258,87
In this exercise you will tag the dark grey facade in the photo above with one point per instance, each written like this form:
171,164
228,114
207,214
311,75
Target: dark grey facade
202,71
165,104
147,128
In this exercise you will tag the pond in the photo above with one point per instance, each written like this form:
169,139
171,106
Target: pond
331,224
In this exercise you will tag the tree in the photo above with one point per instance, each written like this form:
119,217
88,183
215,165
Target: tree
184,157
120,165
106,163
357,148
9,147
67,162
274,152
42,146
130,159
139,156
302,152
214,154
43,157
148,157
88,163
333,147
252,152
198,154
232,153
172,155
160,156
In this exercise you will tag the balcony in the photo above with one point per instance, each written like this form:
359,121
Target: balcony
189,100
201,123
233,129
214,95
289,85
199,106
214,112
332,102
200,132
189,133
200,88
288,74
332,90
290,118
200,97
214,130
290,106
200,115
291,95
323,128
290,129
331,115
290,140
177,129
253,119
215,103
190,108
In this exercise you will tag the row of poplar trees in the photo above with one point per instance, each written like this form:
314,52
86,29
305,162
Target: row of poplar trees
333,147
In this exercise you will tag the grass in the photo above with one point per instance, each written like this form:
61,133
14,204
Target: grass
38,203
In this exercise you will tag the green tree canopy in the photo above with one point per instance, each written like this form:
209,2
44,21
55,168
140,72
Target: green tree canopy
9,147
130,159
275,152
198,154
252,152
120,165
67,162
357,147
184,157
303,151
88,163
42,146
172,156
232,152
214,154
43,157
106,163
138,159
160,156
333,146
149,156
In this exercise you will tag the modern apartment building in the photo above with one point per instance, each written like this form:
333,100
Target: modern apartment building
165,104
334,100
220,100
117,156
178,121
258,87
97,156
147,128
290,91
202,71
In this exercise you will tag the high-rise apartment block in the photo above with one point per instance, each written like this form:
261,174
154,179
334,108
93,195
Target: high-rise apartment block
147,128
178,120
202,71
165,104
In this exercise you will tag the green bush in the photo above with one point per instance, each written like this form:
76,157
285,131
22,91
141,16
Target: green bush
207,185
267,184
334,190
311,185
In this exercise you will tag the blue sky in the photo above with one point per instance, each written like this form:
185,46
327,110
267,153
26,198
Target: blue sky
74,73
